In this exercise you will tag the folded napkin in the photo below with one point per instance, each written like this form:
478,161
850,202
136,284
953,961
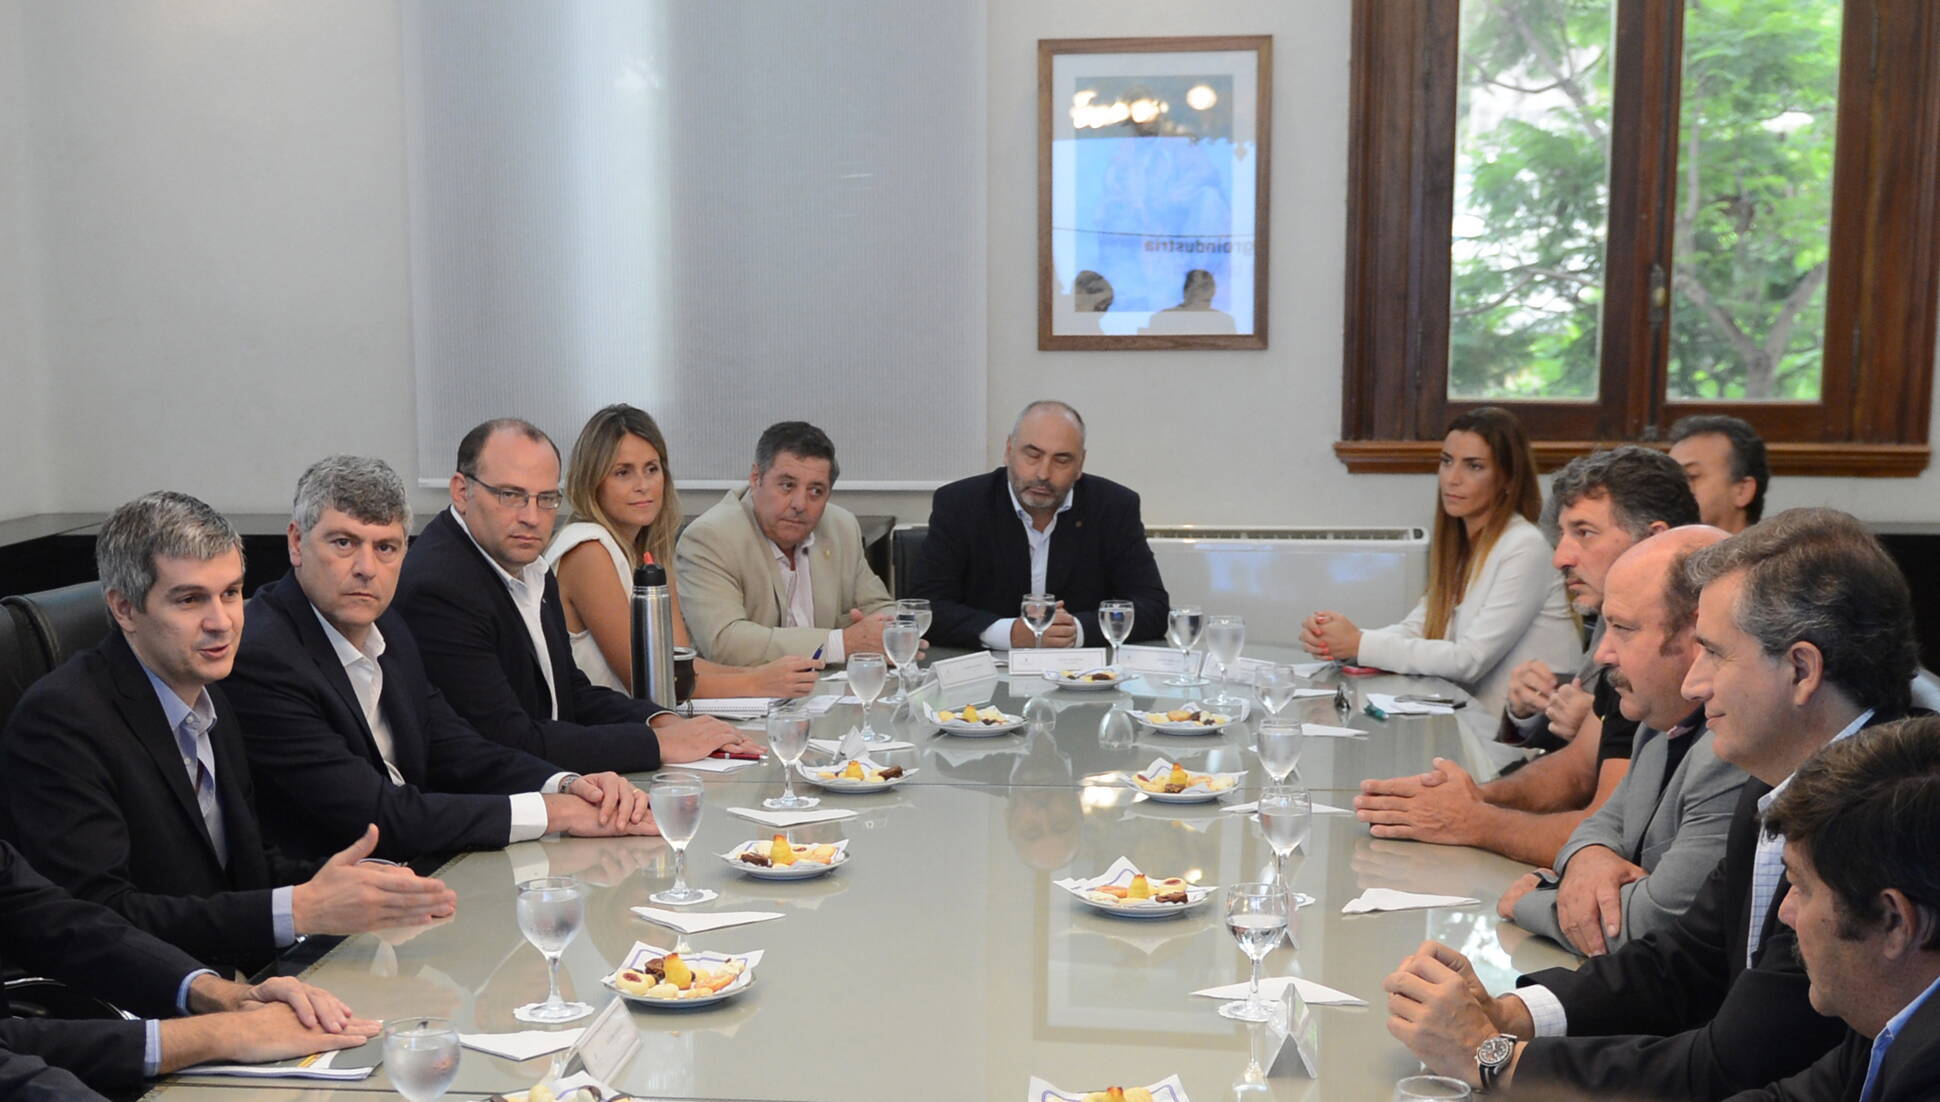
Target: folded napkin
785,819
834,746
1394,707
1319,808
701,923
1388,899
1169,1089
1303,694
715,765
1275,987
310,1067
1325,731
523,1045
732,706
1308,669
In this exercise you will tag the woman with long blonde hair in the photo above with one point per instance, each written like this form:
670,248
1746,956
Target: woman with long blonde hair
625,511
1493,600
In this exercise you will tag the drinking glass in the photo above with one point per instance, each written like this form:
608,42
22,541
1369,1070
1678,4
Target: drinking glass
421,1056
917,611
1423,1088
867,672
1256,914
1038,610
1276,686
1182,629
1279,747
899,645
1115,620
788,738
1117,730
551,911
1286,818
676,802
1225,636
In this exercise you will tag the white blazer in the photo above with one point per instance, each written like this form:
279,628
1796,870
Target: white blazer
1514,610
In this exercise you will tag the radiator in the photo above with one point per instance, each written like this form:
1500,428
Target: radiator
1275,576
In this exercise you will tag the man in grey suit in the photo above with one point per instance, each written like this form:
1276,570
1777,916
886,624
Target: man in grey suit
1637,862
774,569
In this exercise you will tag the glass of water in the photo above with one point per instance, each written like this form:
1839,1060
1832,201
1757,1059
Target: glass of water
788,738
676,802
1279,747
917,611
1256,914
551,911
1182,629
1422,1088
1225,637
1277,687
421,1056
1286,818
1115,621
867,672
899,641
1038,610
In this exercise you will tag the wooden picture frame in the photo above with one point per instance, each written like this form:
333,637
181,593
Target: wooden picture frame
1153,162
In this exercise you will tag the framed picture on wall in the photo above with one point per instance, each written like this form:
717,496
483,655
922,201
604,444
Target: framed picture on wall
1152,171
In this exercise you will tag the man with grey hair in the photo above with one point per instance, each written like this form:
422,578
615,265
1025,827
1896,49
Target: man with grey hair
125,776
1038,524
344,726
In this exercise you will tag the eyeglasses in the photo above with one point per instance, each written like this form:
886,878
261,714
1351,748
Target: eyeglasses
514,498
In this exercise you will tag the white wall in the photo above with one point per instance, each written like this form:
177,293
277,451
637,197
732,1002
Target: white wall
213,220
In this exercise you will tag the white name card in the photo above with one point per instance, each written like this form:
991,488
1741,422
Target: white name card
952,672
1294,1022
1248,670
609,1041
1152,660
1036,661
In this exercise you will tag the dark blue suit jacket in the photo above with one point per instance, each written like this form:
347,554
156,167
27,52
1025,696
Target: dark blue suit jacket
976,562
320,772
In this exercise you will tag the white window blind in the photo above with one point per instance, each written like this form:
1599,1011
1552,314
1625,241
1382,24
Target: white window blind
728,214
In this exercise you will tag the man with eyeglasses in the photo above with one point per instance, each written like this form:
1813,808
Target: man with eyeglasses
486,613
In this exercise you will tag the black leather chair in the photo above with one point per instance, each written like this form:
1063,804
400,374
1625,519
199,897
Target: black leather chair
906,546
66,621
22,659
36,997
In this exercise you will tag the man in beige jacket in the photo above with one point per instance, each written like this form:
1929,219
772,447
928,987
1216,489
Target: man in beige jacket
774,569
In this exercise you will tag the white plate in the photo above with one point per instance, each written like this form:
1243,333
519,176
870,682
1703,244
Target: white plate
979,730
1082,686
1147,910
741,983
1186,728
1191,795
813,775
800,870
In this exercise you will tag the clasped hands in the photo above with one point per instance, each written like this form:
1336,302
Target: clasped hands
1330,636
1438,1007
1437,806
1062,632
1589,900
1534,687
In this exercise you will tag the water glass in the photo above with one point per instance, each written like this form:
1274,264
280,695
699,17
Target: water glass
916,610
551,911
899,642
1256,915
1225,637
1038,610
788,738
1115,622
1277,687
1183,627
1117,730
676,802
867,672
1287,819
1279,747
421,1056
1424,1088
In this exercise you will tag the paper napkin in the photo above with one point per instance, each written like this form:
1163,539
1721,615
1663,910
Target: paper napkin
715,765
523,1045
1274,988
785,819
701,923
1169,1089
1325,731
734,707
1309,669
1388,899
1389,704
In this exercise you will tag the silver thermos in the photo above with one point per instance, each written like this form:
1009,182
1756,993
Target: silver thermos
653,635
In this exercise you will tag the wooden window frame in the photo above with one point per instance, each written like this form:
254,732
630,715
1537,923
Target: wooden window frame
1881,288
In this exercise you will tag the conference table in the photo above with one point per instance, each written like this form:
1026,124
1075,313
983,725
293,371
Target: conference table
941,961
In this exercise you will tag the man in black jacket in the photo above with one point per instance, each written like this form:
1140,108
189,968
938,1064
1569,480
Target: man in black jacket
124,776
1037,525
343,727
486,614
1805,636
92,949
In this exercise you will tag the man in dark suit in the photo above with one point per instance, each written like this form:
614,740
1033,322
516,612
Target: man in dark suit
486,614
1037,525
94,950
124,777
1859,821
1805,636
343,727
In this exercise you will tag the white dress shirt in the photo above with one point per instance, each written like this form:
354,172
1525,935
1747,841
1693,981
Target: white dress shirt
799,587
367,681
528,590
997,635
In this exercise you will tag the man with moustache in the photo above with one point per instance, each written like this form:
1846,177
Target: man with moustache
1638,860
1601,504
1805,636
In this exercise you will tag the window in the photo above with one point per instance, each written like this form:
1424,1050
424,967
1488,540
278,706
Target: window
1607,214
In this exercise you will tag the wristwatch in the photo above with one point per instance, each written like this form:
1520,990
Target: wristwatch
1491,1057
566,782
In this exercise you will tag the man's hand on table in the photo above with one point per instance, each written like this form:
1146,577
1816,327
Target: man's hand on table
695,738
1589,902
1438,1007
1526,883
618,799
1531,685
257,1034
1439,806
1063,632
347,896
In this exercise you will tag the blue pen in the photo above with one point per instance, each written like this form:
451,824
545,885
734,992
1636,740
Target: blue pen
817,656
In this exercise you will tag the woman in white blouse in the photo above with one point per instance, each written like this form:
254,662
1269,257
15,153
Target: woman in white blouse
1493,600
625,512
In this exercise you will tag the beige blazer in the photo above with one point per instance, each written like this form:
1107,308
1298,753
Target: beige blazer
733,593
